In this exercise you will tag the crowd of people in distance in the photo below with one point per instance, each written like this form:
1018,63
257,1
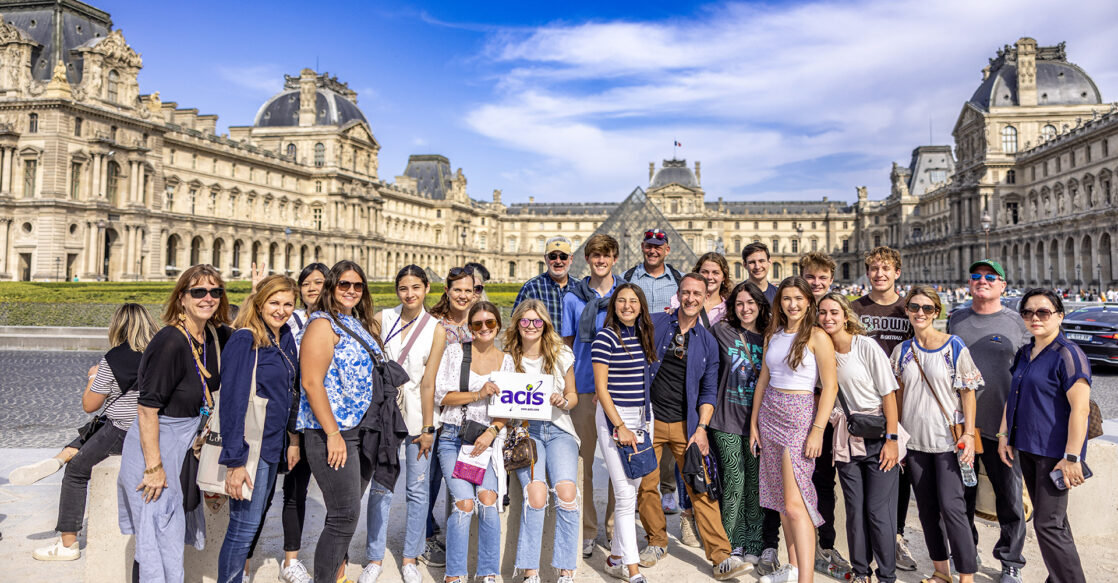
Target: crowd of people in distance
738,406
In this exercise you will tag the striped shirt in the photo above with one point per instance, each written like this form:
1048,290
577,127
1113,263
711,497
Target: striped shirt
121,411
627,365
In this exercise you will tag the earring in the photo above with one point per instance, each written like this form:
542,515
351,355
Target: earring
182,317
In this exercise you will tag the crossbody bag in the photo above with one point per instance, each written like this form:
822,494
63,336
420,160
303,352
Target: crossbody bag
470,431
957,429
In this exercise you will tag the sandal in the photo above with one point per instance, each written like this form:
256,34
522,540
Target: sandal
937,577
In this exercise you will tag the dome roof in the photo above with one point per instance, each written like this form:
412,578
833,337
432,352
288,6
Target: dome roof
1058,82
674,172
332,107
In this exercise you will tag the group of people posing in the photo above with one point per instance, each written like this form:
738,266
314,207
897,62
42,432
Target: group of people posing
744,400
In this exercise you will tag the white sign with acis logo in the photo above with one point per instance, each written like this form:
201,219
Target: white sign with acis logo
523,396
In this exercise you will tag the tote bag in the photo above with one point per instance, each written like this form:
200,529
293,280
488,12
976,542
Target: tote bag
211,474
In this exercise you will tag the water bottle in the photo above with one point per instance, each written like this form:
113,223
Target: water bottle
969,477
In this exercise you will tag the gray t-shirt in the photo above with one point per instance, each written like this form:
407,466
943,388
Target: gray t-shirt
993,340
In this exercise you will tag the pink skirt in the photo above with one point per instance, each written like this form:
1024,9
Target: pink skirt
783,423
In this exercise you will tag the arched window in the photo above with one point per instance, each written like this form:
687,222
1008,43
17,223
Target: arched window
319,155
1047,132
1009,140
78,127
113,86
33,123
112,186
291,150
172,252
1011,177
195,251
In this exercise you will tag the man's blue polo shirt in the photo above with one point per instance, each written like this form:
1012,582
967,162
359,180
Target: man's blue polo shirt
572,312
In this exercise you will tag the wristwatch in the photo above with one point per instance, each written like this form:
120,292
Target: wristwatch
1071,457
494,429
427,429
892,436
704,426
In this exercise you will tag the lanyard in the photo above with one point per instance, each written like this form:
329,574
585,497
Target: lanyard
393,332
201,368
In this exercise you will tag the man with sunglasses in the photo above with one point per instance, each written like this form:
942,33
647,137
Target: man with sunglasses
994,334
550,286
684,390
656,278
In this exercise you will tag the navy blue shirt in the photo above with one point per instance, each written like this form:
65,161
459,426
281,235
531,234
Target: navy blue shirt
275,379
701,387
1037,408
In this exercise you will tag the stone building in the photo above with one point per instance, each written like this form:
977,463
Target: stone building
1029,184
101,181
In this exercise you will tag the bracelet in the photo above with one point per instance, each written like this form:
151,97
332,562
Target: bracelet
333,433
154,468
817,426
1001,435
495,430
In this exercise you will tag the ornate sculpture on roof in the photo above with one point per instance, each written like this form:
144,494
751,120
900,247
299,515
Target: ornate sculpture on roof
1008,54
11,34
59,87
325,80
116,51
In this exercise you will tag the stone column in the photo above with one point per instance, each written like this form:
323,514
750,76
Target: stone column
5,160
95,177
5,227
90,247
131,197
129,249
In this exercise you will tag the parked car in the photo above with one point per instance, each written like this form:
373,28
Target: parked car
1095,330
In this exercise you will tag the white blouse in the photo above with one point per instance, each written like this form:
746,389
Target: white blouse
447,381
950,369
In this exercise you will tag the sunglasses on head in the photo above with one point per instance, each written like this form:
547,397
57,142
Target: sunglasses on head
490,323
655,235
914,308
557,256
201,292
531,322
346,285
456,272
479,288
1042,314
990,277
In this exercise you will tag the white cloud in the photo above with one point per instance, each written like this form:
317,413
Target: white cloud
750,89
263,79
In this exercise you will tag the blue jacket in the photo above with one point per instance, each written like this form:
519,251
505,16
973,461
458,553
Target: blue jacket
702,363
273,382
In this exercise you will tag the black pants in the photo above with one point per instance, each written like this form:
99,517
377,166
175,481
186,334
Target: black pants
871,498
341,493
904,497
938,485
109,440
824,480
770,529
1006,483
1050,519
295,483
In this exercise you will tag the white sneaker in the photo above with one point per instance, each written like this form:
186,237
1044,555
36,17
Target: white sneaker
531,579
618,569
487,579
651,554
29,474
638,578
411,573
296,572
587,548
785,574
731,567
57,552
370,574
566,579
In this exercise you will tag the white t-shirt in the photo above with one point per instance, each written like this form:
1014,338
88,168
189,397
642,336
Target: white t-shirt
950,369
864,374
414,364
121,410
559,417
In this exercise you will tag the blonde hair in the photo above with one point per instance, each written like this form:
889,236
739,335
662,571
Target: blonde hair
853,324
192,276
133,325
550,342
251,316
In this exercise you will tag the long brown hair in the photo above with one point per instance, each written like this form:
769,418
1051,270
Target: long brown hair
550,342
189,278
131,324
720,260
363,311
252,317
780,320
442,309
853,325
643,325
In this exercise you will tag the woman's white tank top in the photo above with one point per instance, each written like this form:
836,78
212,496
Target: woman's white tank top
781,376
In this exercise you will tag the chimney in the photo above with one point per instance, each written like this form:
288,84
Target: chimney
698,174
496,196
308,94
1026,71
651,171
531,200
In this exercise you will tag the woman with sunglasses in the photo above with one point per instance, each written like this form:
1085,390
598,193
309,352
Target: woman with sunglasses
787,428
464,410
261,356
867,467
1045,424
337,368
714,268
178,376
535,347
741,344
407,331
622,353
938,380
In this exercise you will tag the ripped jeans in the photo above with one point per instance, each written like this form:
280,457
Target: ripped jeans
458,523
557,453
380,500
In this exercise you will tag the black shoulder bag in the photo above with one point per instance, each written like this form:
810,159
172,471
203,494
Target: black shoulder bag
862,425
470,430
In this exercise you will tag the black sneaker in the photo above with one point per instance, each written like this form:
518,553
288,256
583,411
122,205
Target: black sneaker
434,554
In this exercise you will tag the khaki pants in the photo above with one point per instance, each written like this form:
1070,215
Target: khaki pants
583,417
708,517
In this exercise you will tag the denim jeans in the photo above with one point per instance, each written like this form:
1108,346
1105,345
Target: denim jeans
244,518
458,524
557,452
107,441
341,494
380,500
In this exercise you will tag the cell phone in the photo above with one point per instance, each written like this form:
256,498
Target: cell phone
1057,476
756,449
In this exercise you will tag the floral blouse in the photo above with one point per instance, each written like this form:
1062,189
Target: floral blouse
447,381
348,382
455,333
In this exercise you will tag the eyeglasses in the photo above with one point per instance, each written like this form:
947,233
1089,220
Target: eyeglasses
990,277
655,234
557,256
531,323
346,285
679,346
200,292
479,288
912,308
490,323
1042,314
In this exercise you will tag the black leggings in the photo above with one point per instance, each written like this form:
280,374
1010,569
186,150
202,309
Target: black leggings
295,483
107,441
341,493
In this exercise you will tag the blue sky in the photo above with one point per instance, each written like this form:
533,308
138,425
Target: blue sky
571,101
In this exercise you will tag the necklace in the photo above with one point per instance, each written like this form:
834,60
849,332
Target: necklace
292,370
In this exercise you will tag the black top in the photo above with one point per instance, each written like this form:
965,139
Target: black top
669,393
738,369
168,378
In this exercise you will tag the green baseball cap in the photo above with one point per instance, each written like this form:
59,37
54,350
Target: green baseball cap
997,267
